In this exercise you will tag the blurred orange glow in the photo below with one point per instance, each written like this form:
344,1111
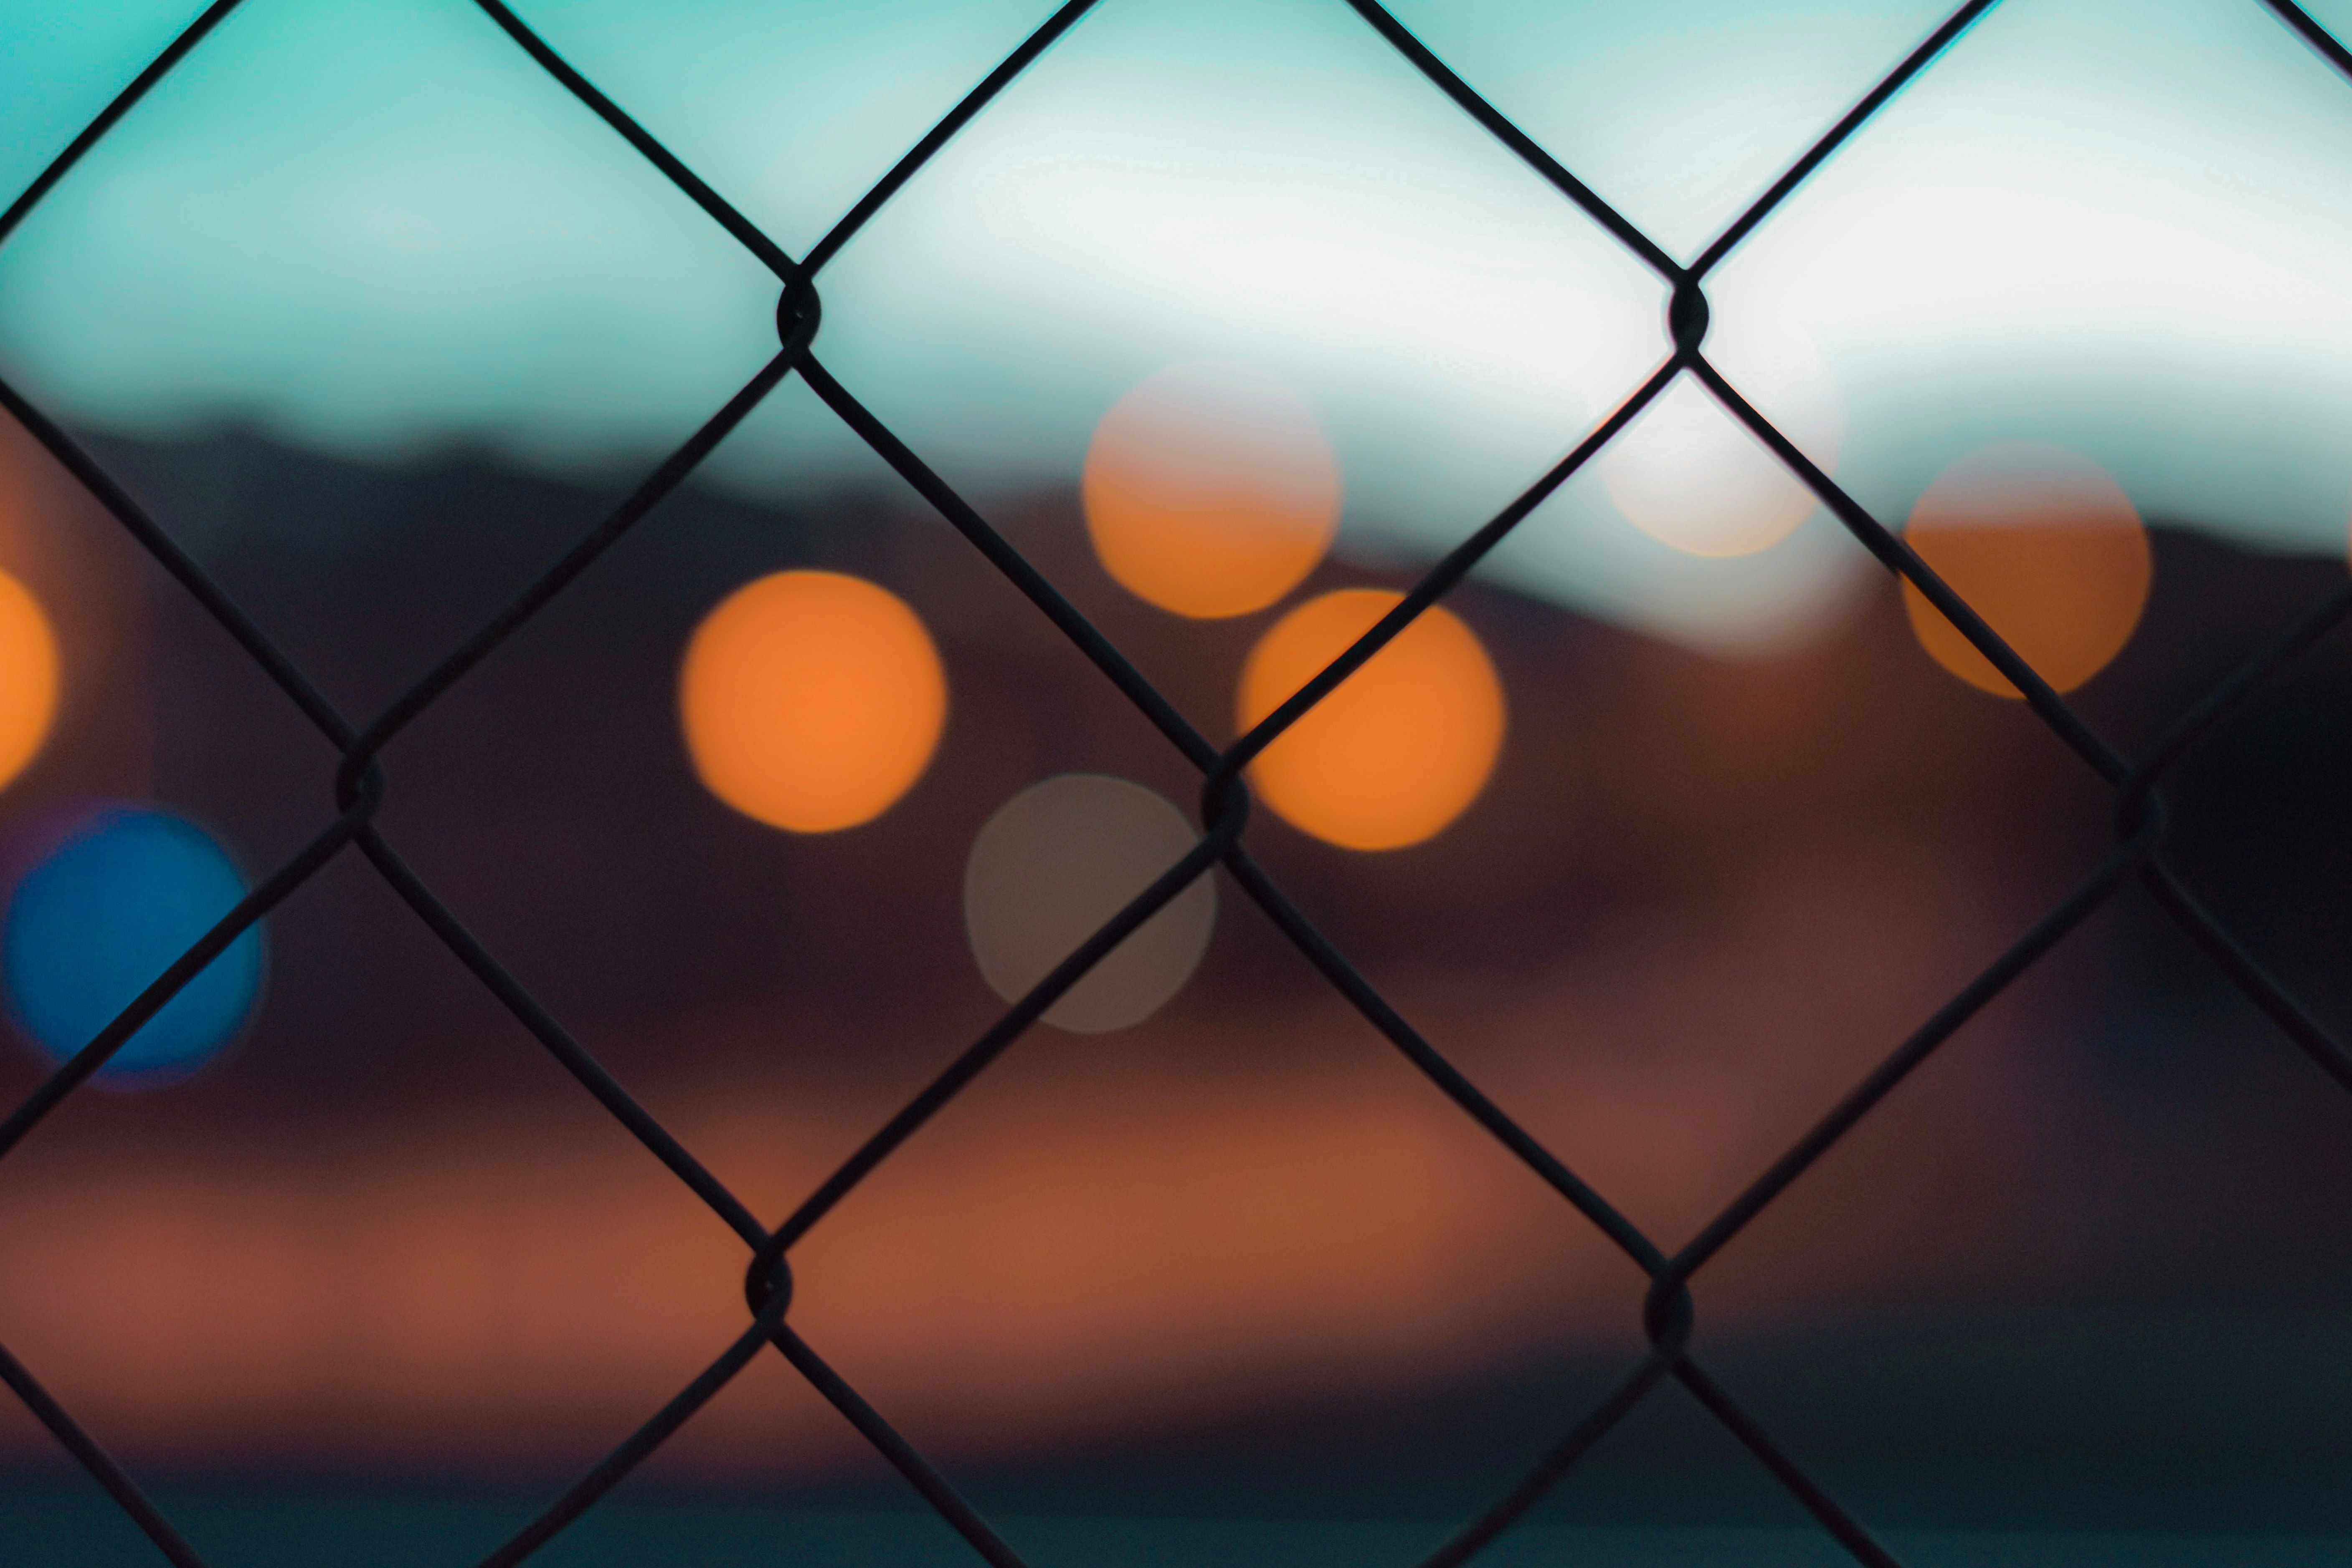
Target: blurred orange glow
812,700
1400,748
2046,547
29,677
1209,490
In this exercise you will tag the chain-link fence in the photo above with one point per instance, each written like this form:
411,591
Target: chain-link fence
1668,1311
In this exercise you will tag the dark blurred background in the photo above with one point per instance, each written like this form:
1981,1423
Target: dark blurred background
2085,1272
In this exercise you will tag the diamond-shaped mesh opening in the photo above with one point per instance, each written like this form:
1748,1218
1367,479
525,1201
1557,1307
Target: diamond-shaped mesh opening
356,825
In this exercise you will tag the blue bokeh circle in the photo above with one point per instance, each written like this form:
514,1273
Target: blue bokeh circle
100,918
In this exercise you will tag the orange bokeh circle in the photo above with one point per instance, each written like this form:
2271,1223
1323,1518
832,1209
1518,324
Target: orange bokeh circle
812,700
29,677
1209,490
1399,749
2045,546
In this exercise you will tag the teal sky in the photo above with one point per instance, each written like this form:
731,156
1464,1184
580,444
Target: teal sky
372,226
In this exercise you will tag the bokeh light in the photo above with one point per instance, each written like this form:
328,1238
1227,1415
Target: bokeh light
1055,862
812,700
1210,488
29,677
1396,750
2046,547
97,920
1689,474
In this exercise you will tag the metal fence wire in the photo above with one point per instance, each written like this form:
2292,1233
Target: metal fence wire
1668,1312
